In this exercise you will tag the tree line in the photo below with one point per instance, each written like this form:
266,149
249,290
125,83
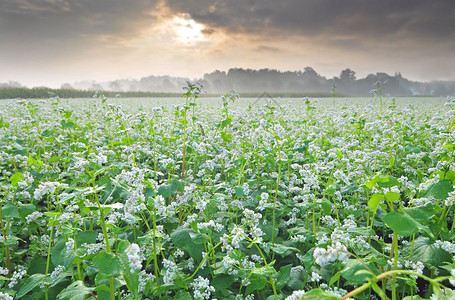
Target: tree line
244,81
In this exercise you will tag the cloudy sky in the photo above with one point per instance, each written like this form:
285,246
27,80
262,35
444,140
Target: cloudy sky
49,42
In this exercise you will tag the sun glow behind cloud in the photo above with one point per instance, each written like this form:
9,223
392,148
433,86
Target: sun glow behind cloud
186,30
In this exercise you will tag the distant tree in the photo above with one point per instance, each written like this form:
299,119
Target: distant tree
347,75
66,86
115,86
168,86
96,87
310,72
10,84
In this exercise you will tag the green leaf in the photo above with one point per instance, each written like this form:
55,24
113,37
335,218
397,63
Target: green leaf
108,264
75,291
284,250
256,283
308,259
362,231
15,178
60,256
326,207
440,190
392,196
182,295
31,282
239,191
412,149
26,209
223,281
10,211
88,237
334,278
182,239
377,289
131,278
370,184
425,251
12,240
374,201
378,178
392,181
351,272
283,276
402,224
264,270
67,114
54,159
66,125
319,294
226,136
423,213
103,292
169,189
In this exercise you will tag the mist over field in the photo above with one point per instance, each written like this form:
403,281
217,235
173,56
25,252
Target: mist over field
270,81
274,81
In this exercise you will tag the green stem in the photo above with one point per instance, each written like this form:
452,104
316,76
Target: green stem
395,264
48,260
108,247
274,200
391,273
270,275
155,261
202,262
8,259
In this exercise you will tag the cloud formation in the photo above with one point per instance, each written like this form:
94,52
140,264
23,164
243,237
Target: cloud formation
65,38
365,19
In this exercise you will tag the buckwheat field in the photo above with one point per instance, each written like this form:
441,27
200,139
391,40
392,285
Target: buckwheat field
231,198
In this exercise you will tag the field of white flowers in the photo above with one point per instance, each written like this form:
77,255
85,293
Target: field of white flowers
227,199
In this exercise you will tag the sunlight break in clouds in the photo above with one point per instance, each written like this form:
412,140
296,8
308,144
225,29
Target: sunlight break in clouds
186,30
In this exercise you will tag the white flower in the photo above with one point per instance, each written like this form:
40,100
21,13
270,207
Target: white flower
69,245
202,288
59,269
315,277
333,253
5,296
17,275
451,199
133,253
33,217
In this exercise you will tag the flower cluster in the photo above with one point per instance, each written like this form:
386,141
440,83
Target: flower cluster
17,275
333,253
202,288
134,257
47,188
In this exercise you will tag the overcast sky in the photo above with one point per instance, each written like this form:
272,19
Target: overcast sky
50,42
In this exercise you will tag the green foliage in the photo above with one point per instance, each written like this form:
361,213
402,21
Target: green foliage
213,199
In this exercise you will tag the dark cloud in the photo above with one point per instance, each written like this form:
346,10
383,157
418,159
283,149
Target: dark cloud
59,20
359,18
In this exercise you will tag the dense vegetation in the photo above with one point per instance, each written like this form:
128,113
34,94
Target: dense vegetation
301,200
44,93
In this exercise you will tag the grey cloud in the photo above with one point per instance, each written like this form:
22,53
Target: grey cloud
418,18
64,20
